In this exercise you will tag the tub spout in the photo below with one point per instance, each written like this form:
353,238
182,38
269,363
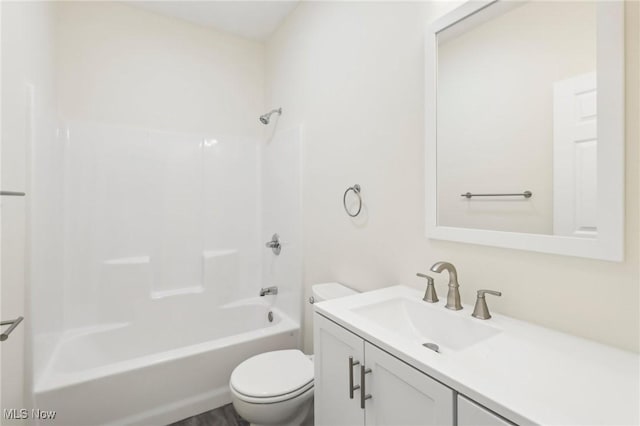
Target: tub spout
268,290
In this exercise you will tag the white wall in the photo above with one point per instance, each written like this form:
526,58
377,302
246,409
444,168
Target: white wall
353,73
495,112
27,140
120,64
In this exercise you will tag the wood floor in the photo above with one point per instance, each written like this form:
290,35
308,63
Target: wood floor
223,416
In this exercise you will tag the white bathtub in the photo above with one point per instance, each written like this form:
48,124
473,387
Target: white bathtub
150,373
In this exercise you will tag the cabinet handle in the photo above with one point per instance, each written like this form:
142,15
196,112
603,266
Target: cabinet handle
351,387
363,393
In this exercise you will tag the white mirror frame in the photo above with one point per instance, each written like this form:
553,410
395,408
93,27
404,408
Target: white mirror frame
609,244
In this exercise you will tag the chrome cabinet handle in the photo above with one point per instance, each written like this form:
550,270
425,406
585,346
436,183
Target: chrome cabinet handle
363,393
13,193
351,387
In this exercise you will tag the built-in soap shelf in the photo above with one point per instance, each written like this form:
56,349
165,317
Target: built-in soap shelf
139,260
209,254
132,277
177,292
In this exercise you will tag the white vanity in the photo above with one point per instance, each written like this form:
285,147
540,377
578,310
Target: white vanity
495,372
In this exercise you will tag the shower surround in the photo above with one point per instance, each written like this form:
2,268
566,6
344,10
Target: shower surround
157,214
148,217
164,258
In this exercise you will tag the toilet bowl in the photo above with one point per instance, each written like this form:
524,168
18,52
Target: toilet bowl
273,388
276,388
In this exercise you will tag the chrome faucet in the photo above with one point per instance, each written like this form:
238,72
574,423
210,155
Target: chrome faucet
453,295
268,290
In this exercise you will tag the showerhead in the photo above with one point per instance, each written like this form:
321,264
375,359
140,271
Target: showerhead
264,118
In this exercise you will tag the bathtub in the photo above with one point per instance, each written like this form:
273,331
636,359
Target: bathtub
148,373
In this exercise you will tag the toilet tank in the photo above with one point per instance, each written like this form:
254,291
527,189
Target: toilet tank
326,291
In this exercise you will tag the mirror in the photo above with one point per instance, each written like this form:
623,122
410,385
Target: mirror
525,126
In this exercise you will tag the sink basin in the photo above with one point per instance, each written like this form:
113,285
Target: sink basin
427,323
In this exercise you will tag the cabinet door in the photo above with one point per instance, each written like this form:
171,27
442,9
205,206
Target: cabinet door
333,345
472,414
402,395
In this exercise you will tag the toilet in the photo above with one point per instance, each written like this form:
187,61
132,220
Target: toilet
276,388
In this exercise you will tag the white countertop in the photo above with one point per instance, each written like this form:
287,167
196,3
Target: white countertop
526,373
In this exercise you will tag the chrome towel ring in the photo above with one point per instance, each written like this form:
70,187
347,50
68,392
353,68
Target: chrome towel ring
356,190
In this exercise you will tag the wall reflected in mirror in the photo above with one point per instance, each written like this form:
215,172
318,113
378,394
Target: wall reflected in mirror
516,112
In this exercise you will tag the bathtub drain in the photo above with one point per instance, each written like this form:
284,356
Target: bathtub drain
270,316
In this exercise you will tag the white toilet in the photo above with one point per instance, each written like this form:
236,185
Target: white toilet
276,388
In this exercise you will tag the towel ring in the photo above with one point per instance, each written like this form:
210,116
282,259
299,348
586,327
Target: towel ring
356,190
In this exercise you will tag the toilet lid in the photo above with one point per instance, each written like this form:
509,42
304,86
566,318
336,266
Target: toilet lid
272,374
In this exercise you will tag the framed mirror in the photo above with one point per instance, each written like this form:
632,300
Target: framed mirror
525,126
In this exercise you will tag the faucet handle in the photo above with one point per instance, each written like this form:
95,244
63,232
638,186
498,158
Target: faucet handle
274,244
481,310
429,295
481,293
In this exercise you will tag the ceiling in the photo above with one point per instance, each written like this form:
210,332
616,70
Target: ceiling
251,19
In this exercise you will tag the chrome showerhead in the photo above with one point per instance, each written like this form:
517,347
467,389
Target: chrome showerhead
264,119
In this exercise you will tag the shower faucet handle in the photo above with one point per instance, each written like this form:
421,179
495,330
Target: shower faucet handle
274,244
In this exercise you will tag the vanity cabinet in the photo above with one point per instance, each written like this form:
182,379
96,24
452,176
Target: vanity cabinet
492,373
333,345
472,414
400,394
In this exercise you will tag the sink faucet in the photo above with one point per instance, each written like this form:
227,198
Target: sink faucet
268,290
453,296
430,294
481,310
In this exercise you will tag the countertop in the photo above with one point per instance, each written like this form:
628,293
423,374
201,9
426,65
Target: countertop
526,373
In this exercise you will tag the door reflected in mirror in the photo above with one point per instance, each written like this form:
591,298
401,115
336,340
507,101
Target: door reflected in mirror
517,141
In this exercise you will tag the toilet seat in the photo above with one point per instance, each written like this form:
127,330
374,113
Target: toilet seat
273,377
273,399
